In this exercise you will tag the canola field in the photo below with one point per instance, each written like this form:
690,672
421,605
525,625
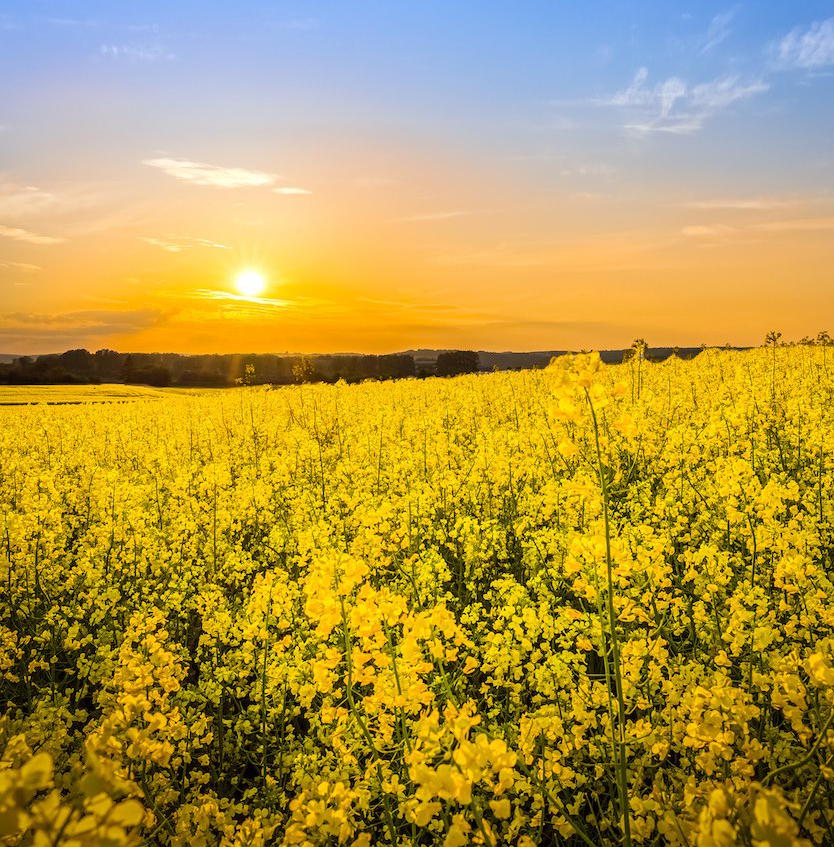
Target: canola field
22,395
586,605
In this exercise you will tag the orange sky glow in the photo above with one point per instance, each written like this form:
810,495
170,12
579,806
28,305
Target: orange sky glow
550,224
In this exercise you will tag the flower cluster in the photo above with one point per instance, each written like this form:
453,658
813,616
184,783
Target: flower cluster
587,604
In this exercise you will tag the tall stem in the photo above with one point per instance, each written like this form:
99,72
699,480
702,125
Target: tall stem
622,770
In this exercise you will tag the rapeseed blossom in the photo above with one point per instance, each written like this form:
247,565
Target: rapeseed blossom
509,609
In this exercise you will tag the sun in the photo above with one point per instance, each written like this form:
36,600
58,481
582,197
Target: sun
250,283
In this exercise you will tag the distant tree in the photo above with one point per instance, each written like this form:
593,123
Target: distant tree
205,378
455,362
79,362
398,366
128,368
108,363
248,377
304,370
155,375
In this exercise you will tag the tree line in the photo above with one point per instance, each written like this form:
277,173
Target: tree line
223,370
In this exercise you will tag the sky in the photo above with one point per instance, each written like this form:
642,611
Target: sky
517,175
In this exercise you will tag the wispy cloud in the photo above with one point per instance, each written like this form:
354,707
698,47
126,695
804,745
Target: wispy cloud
20,266
288,189
673,106
85,23
700,231
612,251
215,176
228,296
301,24
24,235
21,202
722,92
7,23
435,216
797,225
18,201
787,225
70,328
808,48
592,169
136,52
586,196
750,203
180,243
170,246
111,25
718,31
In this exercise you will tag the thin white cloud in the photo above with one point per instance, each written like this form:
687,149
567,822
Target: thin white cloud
137,52
435,216
228,296
21,202
720,93
20,266
706,231
215,176
31,237
180,243
73,22
591,170
301,24
788,225
18,201
288,189
797,225
750,203
672,106
718,31
170,246
635,95
809,49
586,196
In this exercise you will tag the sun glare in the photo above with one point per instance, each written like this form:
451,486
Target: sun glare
250,283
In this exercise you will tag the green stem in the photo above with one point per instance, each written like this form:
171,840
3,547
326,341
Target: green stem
806,758
622,775
807,804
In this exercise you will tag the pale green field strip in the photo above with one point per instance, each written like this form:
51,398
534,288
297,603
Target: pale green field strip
23,395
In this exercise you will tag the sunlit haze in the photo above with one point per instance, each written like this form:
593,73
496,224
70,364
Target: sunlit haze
380,176
250,283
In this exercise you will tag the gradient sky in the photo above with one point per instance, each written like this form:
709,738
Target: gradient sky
467,173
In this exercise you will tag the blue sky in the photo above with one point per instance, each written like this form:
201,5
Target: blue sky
538,158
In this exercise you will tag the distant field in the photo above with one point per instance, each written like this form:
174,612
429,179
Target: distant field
21,395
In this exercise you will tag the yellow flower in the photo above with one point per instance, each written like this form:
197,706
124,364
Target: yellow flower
500,808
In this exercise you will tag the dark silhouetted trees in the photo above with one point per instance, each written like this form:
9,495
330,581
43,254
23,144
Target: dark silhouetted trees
454,362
